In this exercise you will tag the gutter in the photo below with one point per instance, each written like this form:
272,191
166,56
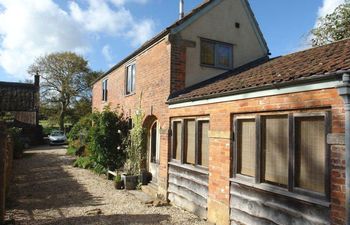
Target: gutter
344,92
312,79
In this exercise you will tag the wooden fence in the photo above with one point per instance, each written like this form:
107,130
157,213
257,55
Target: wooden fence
6,160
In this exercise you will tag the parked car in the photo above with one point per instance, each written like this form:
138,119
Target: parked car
57,138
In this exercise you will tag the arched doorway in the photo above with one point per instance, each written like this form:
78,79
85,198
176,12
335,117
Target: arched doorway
153,147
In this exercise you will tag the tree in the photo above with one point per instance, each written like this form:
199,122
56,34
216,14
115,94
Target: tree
333,27
65,79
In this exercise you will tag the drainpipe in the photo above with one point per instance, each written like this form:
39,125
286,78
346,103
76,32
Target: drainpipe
344,92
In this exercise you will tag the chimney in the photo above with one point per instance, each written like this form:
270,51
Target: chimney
37,80
181,6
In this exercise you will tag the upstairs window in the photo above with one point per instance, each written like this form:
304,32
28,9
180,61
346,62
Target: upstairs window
130,79
104,90
216,54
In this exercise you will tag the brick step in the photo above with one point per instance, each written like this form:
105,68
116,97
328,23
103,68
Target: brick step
151,189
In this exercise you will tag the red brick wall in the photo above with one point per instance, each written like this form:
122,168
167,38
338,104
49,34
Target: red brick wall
153,81
220,143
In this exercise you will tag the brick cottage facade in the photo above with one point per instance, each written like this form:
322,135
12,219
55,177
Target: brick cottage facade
234,136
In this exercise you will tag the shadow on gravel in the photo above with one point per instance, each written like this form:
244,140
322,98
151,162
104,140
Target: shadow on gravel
102,219
40,182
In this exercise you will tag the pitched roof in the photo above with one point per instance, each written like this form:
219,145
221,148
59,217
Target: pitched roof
315,62
17,96
158,37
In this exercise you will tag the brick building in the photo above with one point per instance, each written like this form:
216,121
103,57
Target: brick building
21,100
234,136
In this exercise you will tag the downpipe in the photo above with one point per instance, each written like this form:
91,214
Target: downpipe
344,92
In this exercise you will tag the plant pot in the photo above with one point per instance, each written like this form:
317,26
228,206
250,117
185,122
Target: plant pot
118,185
145,177
130,182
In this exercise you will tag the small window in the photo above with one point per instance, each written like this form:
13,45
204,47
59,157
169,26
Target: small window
190,141
203,140
246,147
177,128
275,149
104,90
216,54
130,79
310,153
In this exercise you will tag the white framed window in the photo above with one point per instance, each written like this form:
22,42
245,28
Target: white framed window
104,90
130,79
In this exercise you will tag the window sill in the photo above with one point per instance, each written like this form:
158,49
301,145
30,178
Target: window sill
131,94
216,67
190,167
282,192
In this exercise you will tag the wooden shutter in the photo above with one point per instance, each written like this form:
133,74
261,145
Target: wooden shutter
177,141
190,140
203,127
310,153
246,147
275,149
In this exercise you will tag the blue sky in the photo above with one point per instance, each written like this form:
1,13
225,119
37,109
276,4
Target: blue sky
106,31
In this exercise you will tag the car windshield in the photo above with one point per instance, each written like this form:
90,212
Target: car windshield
57,133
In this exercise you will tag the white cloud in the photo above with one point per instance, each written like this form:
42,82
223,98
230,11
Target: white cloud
113,21
29,29
106,52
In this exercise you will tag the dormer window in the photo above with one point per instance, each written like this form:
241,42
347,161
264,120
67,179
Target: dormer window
216,54
130,79
104,90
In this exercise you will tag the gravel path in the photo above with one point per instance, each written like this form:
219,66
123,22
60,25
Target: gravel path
48,190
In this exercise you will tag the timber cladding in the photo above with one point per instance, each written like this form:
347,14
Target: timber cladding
258,204
188,188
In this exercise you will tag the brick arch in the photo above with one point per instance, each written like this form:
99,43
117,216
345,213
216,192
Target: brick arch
148,121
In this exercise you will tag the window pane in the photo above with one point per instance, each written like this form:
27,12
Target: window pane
246,144
177,141
128,80
207,53
190,141
203,127
310,153
275,149
223,55
154,143
133,73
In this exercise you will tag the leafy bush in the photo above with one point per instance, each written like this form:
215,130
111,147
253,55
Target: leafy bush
136,150
108,134
83,162
71,150
18,146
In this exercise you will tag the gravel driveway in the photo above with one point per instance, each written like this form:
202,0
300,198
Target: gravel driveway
48,190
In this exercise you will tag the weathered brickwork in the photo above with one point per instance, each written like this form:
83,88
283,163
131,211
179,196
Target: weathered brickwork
153,83
220,156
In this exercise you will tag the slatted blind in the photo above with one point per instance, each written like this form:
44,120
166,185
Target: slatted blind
177,141
310,153
246,147
203,143
190,140
275,149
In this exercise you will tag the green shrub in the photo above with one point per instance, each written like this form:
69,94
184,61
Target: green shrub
136,150
18,145
71,150
83,162
107,139
118,178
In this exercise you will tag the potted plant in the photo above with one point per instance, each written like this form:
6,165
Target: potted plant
135,152
118,182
